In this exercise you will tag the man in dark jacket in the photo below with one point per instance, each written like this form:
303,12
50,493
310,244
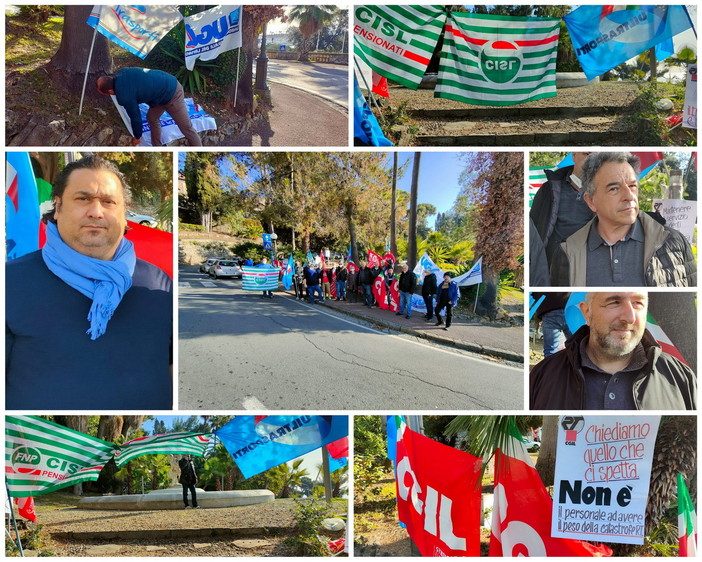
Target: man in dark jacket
366,279
429,292
160,91
312,278
406,284
448,294
188,479
612,363
341,276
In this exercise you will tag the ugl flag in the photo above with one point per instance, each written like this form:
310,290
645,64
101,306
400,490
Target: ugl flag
473,276
438,494
212,32
687,520
257,443
21,206
179,443
42,456
255,278
498,60
134,28
606,36
398,41
521,514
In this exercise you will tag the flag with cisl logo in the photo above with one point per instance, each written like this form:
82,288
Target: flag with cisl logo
42,456
212,32
178,443
498,60
134,28
438,494
398,41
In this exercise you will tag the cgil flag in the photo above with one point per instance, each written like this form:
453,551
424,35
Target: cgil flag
606,36
179,443
373,259
42,456
521,513
498,60
687,521
398,41
257,443
152,245
473,276
134,28
212,32
256,278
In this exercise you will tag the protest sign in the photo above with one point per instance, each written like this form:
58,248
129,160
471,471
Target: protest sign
603,468
678,214
690,109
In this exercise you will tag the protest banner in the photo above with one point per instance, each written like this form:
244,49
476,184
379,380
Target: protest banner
212,32
690,109
679,214
603,469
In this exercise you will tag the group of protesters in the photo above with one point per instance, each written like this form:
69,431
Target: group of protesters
353,283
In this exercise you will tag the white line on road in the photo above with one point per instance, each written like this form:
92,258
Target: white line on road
252,403
437,348
208,284
184,284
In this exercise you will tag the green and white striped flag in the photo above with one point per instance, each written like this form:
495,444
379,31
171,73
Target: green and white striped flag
259,278
180,443
42,456
498,60
398,41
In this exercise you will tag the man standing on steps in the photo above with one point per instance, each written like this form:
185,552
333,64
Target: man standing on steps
160,91
188,479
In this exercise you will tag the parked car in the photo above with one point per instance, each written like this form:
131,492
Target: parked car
146,220
205,265
225,268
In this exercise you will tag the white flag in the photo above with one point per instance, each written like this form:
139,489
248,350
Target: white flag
426,263
212,32
471,277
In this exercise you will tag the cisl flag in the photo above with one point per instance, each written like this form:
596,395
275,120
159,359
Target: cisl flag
438,495
521,515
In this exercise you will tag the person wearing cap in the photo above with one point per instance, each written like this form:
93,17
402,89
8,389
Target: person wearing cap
447,297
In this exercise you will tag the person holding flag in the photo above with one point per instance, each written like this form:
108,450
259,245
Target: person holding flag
264,265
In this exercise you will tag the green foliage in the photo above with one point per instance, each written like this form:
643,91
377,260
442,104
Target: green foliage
250,250
545,159
32,539
191,227
308,517
369,437
396,116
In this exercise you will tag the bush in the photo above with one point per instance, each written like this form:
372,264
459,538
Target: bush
308,518
191,227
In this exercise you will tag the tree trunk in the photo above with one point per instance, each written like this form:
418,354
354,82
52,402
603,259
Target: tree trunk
130,423
110,427
67,66
546,462
412,241
306,241
352,227
48,164
393,207
304,51
487,302
669,310
245,95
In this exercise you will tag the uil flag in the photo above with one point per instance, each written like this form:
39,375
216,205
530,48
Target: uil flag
134,28
179,443
606,36
42,456
398,41
288,275
257,443
687,521
521,514
427,264
498,60
21,206
212,32
472,276
438,494
259,278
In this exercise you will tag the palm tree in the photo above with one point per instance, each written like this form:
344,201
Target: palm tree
283,478
310,20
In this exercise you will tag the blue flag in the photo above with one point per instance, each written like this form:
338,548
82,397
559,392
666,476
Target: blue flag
606,36
336,464
289,272
365,125
257,443
21,206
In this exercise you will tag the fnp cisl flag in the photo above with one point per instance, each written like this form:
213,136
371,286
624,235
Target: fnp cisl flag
259,278
42,456
135,28
606,36
212,32
498,60
179,443
398,41
257,443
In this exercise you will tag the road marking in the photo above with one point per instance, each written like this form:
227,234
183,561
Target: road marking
252,403
184,284
208,284
434,347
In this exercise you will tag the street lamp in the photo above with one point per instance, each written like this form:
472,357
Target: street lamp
274,251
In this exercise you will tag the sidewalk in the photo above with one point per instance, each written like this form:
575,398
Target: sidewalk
502,342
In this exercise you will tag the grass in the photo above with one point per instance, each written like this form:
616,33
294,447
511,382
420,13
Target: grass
28,43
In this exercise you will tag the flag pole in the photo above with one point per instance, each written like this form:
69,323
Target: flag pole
365,82
14,521
236,86
326,474
87,67
477,292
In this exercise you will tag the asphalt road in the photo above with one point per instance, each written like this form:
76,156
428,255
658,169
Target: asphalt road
240,351
329,81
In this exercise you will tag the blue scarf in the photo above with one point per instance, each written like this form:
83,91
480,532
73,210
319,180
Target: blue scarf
105,282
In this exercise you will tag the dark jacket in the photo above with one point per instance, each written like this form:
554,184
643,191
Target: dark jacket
188,476
312,277
452,295
668,259
408,281
429,285
341,274
142,85
365,276
557,382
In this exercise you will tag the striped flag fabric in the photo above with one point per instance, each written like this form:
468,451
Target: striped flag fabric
179,443
42,456
662,339
498,60
687,521
398,41
259,278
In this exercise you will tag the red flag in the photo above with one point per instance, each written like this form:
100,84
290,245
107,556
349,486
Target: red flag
438,495
352,267
380,293
25,507
152,245
389,257
521,514
332,283
380,85
339,449
373,259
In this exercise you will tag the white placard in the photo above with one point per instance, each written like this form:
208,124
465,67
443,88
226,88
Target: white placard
679,214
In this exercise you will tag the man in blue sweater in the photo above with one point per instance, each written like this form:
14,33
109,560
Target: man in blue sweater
159,90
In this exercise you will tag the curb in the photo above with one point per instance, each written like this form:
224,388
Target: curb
126,535
481,349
